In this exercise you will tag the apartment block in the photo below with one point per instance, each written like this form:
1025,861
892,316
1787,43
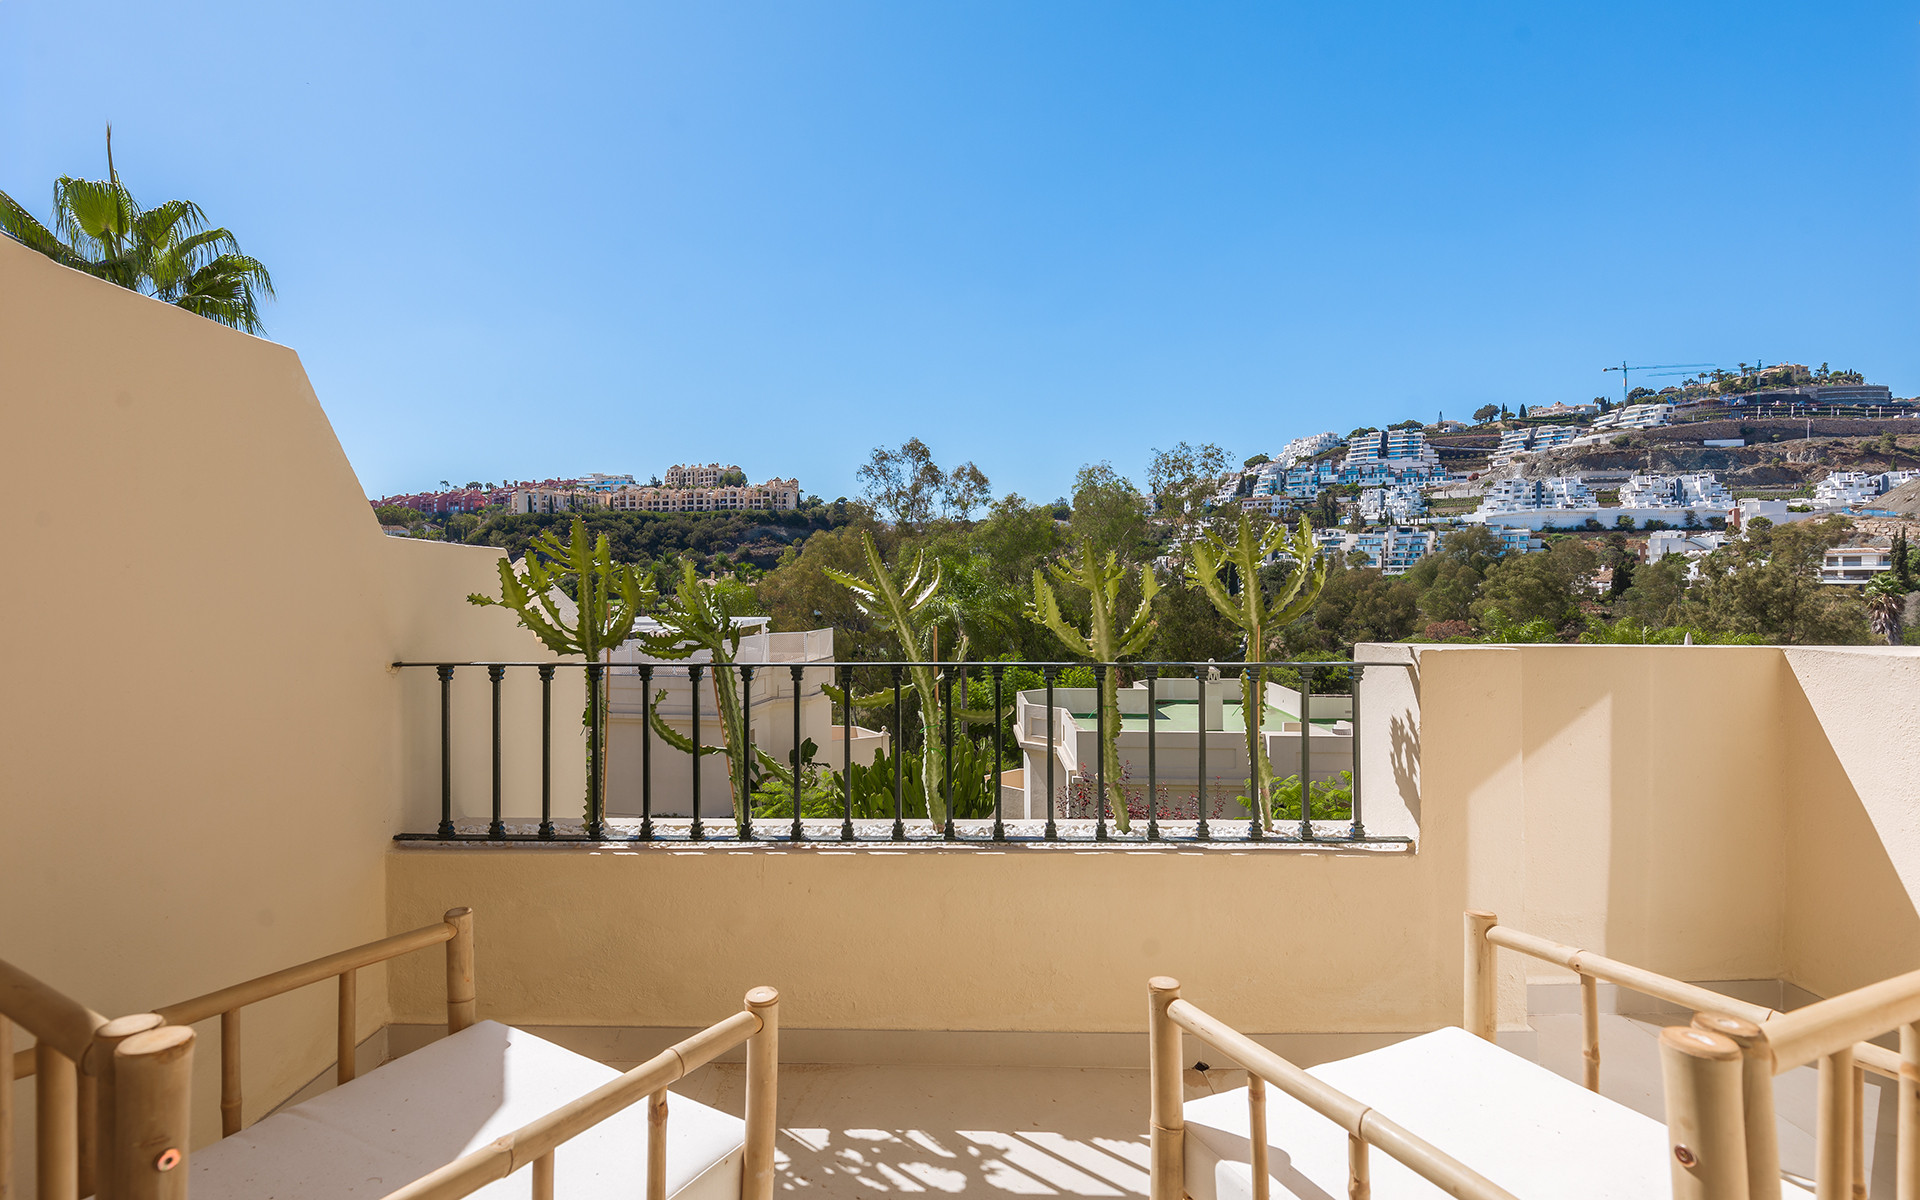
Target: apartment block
1399,504
1531,439
1856,565
688,475
1635,416
1702,490
776,494
1393,550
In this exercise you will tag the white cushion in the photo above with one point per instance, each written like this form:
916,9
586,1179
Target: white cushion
419,1112
1520,1125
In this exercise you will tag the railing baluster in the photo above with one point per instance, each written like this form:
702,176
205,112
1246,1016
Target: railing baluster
1255,831
999,826
1048,672
743,821
646,752
347,1028
946,751
596,803
799,672
1359,831
546,750
846,750
1306,736
446,749
1153,757
899,759
1200,782
496,828
695,831
1100,752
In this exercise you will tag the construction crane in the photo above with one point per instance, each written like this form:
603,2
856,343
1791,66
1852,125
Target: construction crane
1665,369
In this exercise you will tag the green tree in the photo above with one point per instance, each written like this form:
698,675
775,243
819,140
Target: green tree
903,484
1886,605
1109,513
1110,636
1259,616
577,600
1486,412
1546,586
1657,595
167,252
1768,583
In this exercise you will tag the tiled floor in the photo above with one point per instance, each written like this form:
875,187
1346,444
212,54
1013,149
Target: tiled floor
850,1131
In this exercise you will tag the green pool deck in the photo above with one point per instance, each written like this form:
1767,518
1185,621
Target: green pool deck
1183,716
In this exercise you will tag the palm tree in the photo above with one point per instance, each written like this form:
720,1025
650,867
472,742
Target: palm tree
1885,606
166,252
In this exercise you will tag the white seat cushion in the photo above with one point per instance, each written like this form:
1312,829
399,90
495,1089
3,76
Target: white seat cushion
418,1113
1520,1125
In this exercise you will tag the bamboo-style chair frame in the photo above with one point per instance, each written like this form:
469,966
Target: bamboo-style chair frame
1719,1070
78,1054
1168,1015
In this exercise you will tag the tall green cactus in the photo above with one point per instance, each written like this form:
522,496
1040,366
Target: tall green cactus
608,597
1110,636
698,617
1258,615
897,605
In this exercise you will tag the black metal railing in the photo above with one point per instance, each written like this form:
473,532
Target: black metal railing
756,815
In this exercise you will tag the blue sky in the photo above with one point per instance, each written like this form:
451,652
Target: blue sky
525,240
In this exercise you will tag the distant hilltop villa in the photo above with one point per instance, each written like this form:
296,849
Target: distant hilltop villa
709,487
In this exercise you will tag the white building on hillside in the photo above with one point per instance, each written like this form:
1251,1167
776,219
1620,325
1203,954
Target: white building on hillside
1387,454
1393,549
1857,564
1396,504
1702,490
1635,416
1530,439
1301,448
1533,495
1848,488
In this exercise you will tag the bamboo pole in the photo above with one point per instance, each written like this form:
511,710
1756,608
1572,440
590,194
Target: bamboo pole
56,1151
1167,1131
1819,1030
1590,1030
543,1176
460,993
657,1146
1859,1133
1907,1156
1706,1129
1359,1170
6,1108
1257,1133
346,1033
86,1129
53,1020
189,1012
231,1121
106,1169
1481,1015
763,1078
153,1082
1833,1147
1756,1088
1639,979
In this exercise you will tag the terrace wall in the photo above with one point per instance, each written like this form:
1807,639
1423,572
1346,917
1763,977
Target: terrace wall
203,753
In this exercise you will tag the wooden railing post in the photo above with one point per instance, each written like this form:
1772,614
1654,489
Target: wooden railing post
153,1081
1257,1134
56,1095
1480,1017
460,991
1756,1093
1834,1121
106,1137
231,1120
1168,1131
657,1145
1706,1129
1907,1159
763,1118
1590,1030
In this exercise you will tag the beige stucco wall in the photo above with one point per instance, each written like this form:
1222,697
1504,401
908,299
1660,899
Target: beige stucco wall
203,754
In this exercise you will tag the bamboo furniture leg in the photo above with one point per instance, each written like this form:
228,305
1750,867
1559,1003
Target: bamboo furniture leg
346,1028
543,1176
1359,1170
1907,1168
1168,1131
1590,1030
230,1121
1833,1156
1706,1130
6,1109
1859,1133
1257,1133
763,1059
86,1107
1756,1076
106,1167
56,1094
657,1145
460,993
1480,1018
153,1079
